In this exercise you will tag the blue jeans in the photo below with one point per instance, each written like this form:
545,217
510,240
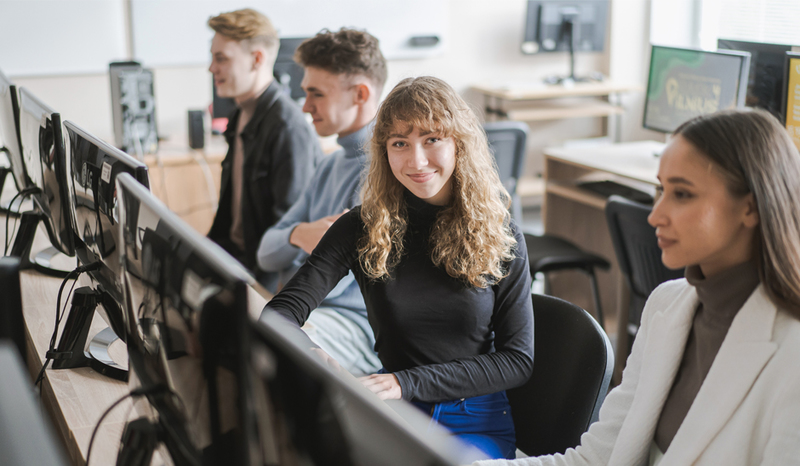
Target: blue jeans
482,421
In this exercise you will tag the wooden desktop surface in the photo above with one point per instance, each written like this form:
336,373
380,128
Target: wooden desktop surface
541,91
76,398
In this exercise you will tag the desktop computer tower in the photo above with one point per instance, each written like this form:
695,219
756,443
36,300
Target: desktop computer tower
133,108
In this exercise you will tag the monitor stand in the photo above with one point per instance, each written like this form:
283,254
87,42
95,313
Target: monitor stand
47,264
568,17
70,350
6,209
51,260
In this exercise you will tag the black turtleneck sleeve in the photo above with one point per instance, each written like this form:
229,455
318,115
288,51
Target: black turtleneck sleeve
443,339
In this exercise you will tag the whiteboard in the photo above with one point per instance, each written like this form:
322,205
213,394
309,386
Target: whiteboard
174,32
41,37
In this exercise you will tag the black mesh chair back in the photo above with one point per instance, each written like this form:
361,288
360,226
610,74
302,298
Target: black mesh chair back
638,254
507,141
573,363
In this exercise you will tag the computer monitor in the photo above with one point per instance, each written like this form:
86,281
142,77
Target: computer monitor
186,313
790,108
765,81
286,71
684,83
328,417
93,166
44,156
9,135
565,26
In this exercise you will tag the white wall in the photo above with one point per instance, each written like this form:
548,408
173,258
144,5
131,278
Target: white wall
484,42
629,60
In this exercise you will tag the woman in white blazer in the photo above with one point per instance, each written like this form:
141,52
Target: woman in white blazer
714,374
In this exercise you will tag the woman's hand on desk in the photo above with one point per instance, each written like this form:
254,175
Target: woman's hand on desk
385,386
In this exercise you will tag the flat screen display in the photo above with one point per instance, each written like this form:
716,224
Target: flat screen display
685,83
44,156
765,81
791,97
93,166
9,136
186,315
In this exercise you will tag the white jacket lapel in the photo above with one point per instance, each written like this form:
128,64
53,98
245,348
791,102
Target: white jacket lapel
746,349
666,334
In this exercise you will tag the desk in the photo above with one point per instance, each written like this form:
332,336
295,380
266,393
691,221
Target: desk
187,180
540,102
578,215
76,398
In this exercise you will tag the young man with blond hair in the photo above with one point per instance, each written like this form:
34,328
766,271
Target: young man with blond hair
344,76
272,151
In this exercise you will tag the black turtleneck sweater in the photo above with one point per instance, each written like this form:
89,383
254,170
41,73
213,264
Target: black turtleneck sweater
721,296
443,339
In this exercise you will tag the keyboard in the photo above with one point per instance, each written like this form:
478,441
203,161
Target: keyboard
607,188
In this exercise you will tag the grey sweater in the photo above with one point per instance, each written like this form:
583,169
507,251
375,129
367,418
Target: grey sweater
335,186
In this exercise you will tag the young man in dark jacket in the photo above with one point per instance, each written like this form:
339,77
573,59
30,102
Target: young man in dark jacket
272,150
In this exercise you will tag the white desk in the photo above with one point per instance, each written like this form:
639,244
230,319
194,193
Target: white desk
578,215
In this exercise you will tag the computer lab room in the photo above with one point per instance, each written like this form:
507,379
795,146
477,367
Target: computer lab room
400,232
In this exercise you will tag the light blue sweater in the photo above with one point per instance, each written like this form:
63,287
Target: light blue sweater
335,186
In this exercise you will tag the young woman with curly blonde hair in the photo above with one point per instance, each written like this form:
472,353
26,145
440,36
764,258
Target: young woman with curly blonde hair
442,267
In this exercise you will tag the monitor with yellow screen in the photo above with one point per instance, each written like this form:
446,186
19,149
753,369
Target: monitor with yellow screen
791,96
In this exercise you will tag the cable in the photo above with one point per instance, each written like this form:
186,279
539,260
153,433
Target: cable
139,392
200,158
24,193
75,274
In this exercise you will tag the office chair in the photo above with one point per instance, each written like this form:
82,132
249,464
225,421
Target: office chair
572,367
546,253
639,257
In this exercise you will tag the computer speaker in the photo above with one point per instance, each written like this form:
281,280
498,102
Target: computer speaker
196,132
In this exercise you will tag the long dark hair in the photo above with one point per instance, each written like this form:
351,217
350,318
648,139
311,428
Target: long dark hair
756,155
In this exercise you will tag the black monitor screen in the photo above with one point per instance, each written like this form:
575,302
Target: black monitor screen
43,152
186,314
9,136
329,417
685,83
765,83
548,25
286,71
94,165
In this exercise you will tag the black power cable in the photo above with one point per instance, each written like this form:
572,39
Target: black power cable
75,274
24,193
